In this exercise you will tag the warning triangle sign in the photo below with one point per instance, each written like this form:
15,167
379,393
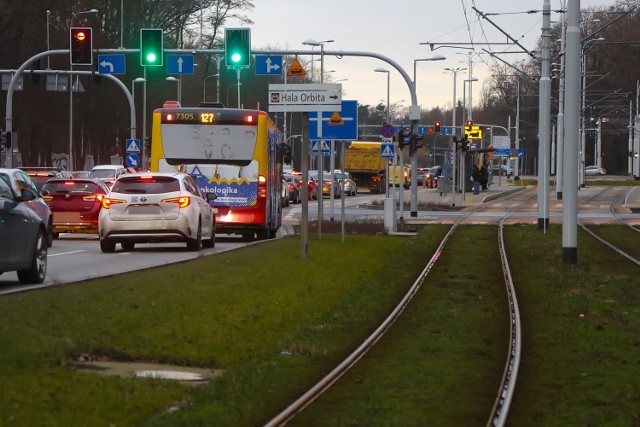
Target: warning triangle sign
296,69
386,152
335,120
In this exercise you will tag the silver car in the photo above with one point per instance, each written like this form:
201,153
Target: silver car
23,235
156,207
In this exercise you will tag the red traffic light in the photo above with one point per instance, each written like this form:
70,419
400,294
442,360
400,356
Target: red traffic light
469,123
437,126
81,46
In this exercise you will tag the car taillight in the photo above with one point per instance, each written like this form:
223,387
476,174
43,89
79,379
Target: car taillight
93,197
292,187
47,197
262,186
107,202
182,202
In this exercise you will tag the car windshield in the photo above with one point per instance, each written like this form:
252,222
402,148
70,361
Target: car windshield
65,187
5,190
103,173
146,185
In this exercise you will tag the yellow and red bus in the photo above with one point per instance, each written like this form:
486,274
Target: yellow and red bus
234,153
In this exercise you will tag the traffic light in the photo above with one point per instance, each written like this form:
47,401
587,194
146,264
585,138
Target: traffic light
469,123
81,46
151,46
465,143
401,140
5,139
237,47
437,126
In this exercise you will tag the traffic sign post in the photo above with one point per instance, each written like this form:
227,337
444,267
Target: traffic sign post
305,97
345,129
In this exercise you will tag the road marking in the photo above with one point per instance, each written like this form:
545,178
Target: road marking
68,253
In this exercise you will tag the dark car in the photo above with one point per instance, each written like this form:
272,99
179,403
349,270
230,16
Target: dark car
40,175
75,204
18,180
23,236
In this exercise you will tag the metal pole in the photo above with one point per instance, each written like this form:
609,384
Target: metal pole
453,143
304,229
48,47
70,165
560,133
544,120
572,111
144,119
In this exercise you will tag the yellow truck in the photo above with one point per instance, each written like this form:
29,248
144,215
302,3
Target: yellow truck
362,160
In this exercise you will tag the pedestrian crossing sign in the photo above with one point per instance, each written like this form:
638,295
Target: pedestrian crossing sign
132,146
387,151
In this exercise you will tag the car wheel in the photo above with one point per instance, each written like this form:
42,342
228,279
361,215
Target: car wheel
128,246
38,269
107,246
56,235
195,244
211,241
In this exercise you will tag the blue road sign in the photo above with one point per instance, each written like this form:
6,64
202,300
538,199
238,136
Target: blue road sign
387,130
387,151
111,64
445,130
502,152
132,146
132,160
347,131
423,129
180,64
269,65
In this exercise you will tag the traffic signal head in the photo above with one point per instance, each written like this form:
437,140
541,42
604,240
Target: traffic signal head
5,139
81,46
237,47
151,46
437,126
469,123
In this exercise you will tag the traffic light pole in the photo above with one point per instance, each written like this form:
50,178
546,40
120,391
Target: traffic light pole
18,73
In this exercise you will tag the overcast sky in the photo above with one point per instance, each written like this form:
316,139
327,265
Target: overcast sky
395,29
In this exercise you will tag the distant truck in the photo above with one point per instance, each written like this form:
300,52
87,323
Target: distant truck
362,160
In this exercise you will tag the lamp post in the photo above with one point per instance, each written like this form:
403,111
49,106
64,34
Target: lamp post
384,70
454,72
173,79
313,43
48,62
70,166
144,112
432,58
464,93
204,86
586,45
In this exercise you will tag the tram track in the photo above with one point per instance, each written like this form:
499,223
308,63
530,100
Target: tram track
506,390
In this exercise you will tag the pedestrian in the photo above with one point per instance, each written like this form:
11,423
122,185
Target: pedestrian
475,178
484,177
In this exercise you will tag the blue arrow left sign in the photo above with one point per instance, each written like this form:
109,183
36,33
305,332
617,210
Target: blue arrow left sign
111,64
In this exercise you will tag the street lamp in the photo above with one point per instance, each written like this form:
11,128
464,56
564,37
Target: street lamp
466,112
70,166
173,79
586,45
204,86
432,58
454,72
341,80
384,70
313,43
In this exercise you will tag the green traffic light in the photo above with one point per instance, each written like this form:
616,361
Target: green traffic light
151,57
236,57
151,46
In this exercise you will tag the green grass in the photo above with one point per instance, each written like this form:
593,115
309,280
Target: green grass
275,331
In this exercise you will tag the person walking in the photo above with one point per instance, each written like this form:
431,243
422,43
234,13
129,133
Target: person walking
475,178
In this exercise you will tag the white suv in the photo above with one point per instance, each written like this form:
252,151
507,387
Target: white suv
107,173
156,207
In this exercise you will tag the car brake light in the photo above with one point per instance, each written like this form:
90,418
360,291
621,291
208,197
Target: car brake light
169,117
262,186
97,197
146,178
248,119
182,202
107,202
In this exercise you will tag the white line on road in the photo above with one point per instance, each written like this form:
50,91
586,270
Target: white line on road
67,253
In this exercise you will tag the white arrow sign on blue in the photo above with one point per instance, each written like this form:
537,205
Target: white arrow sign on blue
268,65
111,64
180,64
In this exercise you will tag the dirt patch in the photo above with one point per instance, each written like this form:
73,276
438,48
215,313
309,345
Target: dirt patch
183,374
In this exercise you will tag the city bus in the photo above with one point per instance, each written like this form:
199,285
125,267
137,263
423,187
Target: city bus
233,153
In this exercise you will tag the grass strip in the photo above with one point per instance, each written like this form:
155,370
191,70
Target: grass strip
441,362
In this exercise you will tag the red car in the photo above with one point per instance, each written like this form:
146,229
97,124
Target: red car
312,185
75,204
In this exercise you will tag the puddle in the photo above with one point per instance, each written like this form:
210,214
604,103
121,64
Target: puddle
183,374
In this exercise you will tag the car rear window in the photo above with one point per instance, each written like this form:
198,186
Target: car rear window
103,173
146,185
63,187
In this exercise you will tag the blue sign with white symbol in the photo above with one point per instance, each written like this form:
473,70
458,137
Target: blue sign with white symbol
387,151
268,65
111,64
132,160
180,64
132,146
446,130
423,129
502,152
331,129
387,130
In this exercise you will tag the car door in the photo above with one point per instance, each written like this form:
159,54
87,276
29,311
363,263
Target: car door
15,233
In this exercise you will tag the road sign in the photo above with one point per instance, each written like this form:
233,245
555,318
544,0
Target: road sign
387,130
320,147
446,130
269,65
387,151
132,160
473,132
501,142
305,97
345,132
180,64
111,64
502,152
296,70
132,146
